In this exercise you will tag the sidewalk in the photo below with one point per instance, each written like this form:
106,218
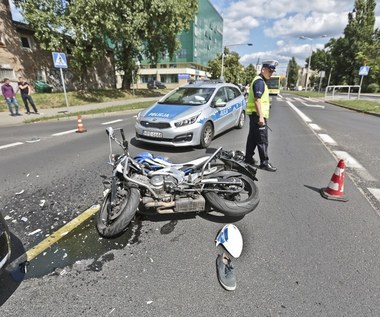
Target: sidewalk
7,120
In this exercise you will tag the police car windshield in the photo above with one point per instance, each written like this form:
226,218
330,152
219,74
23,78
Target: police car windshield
188,96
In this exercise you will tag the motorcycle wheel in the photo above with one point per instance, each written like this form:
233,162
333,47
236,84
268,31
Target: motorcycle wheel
238,204
128,206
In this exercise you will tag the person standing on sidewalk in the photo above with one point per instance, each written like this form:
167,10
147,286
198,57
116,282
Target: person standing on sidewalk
25,91
10,97
258,111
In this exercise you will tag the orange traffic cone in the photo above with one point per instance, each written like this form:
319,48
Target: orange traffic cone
81,127
335,189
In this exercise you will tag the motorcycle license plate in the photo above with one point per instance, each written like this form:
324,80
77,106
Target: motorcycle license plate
153,134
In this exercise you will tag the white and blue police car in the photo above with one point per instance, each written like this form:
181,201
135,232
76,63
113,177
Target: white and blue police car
192,115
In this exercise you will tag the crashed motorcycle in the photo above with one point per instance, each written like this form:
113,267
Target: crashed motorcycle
219,182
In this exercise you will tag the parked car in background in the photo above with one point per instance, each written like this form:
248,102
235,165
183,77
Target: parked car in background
192,114
5,243
155,84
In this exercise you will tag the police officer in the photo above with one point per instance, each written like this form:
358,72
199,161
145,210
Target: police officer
258,111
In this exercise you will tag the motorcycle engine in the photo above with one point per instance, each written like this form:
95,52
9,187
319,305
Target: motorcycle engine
165,182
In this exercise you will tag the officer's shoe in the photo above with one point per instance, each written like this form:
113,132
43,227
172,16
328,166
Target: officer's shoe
268,167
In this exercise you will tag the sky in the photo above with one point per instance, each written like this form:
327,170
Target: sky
274,27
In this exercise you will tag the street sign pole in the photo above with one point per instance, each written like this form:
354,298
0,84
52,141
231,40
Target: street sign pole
360,86
64,90
59,60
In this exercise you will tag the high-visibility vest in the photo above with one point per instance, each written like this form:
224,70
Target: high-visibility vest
264,99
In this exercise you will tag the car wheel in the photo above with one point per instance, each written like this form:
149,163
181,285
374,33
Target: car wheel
206,135
241,121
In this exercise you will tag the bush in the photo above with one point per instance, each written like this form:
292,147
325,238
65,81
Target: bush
373,88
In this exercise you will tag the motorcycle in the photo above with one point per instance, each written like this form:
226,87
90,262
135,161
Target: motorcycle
219,182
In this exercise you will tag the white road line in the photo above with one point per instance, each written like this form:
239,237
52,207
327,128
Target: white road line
298,99
10,145
65,132
315,127
327,139
375,192
300,113
353,163
110,122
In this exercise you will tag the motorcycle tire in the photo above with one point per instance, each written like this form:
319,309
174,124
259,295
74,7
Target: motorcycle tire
232,206
129,205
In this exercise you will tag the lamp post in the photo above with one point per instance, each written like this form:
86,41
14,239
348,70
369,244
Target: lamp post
222,70
302,37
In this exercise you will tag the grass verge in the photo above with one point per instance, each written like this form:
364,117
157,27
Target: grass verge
67,115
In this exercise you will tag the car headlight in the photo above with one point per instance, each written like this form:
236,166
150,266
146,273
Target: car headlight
186,121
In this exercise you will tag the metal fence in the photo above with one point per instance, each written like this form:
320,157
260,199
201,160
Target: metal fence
342,92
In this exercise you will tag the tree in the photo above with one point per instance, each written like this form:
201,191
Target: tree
91,28
292,73
250,72
233,71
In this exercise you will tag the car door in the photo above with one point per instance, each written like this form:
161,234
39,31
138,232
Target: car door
220,113
234,105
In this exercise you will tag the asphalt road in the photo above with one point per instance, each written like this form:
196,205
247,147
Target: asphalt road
303,255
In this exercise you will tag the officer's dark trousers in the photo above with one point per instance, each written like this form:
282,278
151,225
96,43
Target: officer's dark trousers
257,136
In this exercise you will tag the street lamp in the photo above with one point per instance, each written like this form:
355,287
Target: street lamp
302,37
222,71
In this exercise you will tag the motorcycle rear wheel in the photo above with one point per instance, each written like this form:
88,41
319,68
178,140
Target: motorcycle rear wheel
128,205
235,205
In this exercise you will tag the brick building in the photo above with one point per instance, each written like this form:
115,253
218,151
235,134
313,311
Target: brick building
20,55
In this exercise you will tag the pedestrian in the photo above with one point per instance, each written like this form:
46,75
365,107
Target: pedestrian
10,97
25,91
258,110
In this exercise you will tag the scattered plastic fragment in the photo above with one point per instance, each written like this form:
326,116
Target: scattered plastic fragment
149,302
27,175
7,217
20,192
34,232
24,219
151,260
42,202
64,256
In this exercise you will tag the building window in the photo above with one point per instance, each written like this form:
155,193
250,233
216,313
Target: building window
169,79
7,73
25,42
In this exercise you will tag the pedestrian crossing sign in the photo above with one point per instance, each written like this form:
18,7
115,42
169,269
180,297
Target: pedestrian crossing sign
363,71
59,60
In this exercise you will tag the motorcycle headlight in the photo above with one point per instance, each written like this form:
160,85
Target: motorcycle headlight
186,121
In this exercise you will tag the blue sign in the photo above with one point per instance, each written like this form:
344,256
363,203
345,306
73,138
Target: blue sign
363,71
183,76
59,60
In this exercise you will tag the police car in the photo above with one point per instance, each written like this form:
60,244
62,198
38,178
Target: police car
192,115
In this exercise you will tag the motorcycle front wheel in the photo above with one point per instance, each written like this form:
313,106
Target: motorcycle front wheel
128,205
237,204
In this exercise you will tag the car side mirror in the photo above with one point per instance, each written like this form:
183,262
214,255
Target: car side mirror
220,103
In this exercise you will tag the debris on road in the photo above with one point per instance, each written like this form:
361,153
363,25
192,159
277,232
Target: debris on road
34,232
20,192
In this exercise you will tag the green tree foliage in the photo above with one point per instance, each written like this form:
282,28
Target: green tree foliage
360,45
250,72
292,73
92,27
233,72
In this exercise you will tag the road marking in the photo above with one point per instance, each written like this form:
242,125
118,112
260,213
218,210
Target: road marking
375,192
55,236
315,127
300,113
10,145
353,163
64,132
110,122
327,139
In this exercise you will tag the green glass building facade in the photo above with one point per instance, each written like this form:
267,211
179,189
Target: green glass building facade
201,43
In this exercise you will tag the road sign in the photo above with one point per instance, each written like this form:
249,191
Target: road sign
59,60
363,71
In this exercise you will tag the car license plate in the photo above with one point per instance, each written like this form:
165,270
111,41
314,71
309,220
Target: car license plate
153,134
